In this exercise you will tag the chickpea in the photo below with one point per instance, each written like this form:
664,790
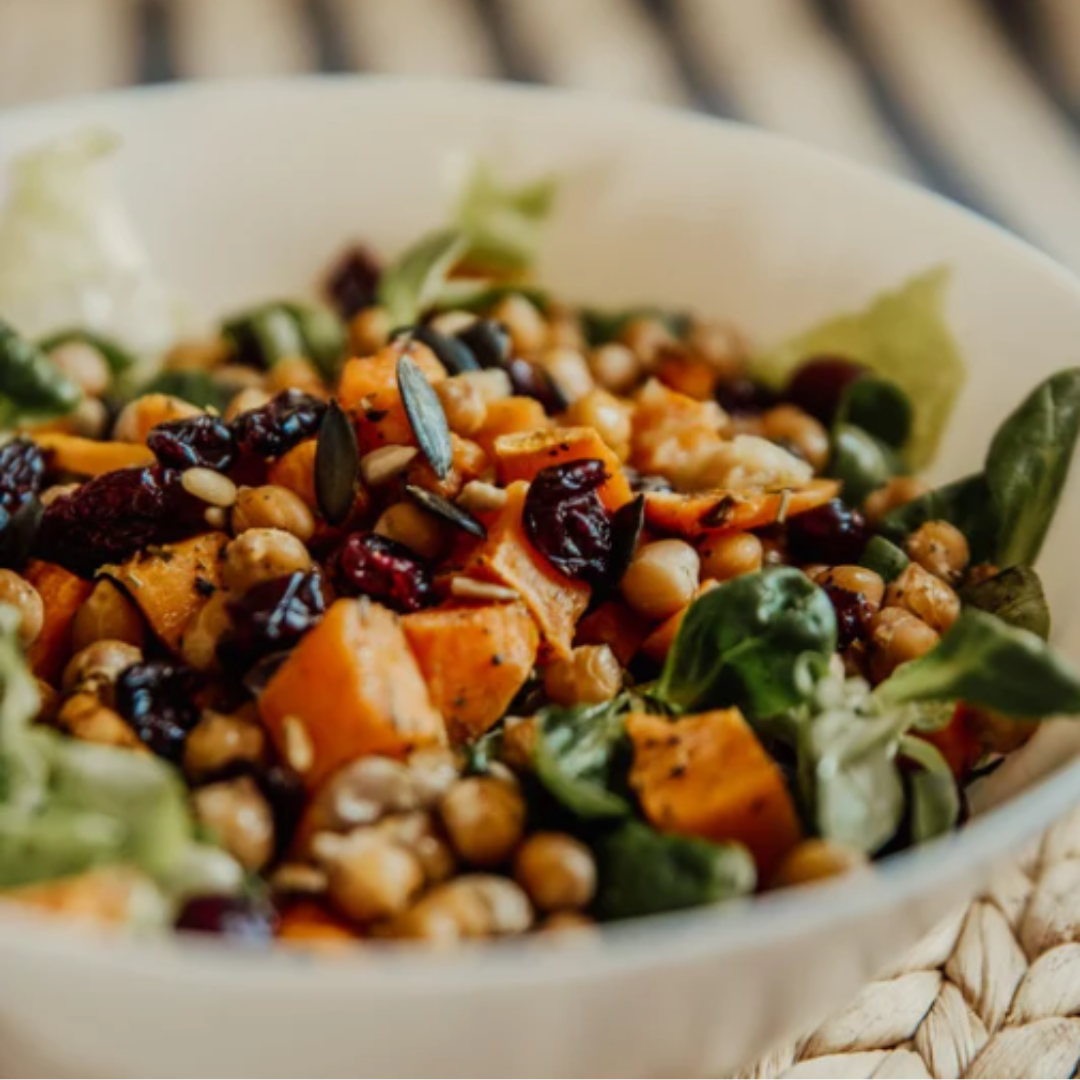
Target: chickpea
853,579
562,921
788,423
570,371
416,832
815,860
406,523
520,735
248,399
260,555
85,717
926,596
218,741
557,871
484,818
197,355
236,812
49,701
465,406
647,337
137,418
272,507
940,548
84,366
609,416
898,636
369,330
369,877
520,316
100,664
616,367
473,906
107,614
90,418
17,592
731,555
564,330
662,578
721,344
295,373
591,674
199,642
899,491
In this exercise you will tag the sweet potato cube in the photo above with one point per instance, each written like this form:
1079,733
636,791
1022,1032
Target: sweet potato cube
506,416
62,594
89,457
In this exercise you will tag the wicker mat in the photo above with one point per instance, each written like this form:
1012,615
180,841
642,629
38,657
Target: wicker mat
992,992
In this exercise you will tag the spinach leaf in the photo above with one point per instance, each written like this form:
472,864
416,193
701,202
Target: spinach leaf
902,335
880,408
860,462
1015,596
1028,463
323,335
414,283
197,387
577,757
965,503
934,801
884,558
740,644
645,872
31,388
984,661
118,359
282,330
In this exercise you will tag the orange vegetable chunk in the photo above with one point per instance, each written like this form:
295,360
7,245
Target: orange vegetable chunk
474,660
351,688
295,470
88,457
616,625
62,594
307,924
507,416
708,775
658,644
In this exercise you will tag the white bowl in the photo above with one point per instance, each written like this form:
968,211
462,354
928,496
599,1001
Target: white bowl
244,192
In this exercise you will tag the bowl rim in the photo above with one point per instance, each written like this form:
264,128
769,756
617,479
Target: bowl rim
767,920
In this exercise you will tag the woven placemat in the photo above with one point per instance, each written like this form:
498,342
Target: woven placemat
994,991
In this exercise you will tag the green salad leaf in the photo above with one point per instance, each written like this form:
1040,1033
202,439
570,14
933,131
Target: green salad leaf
880,408
645,872
902,335
119,359
934,801
197,387
984,661
966,503
415,282
286,329
884,558
1015,596
860,462
741,644
31,387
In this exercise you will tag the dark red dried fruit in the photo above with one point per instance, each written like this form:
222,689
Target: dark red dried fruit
743,396
853,615
834,533
197,441
158,700
280,424
242,918
22,470
272,617
283,789
818,385
115,515
370,565
353,283
531,380
566,521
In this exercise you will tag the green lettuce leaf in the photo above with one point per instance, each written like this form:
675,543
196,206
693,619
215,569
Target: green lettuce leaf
903,336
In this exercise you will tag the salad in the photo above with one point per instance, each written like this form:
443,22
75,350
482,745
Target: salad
444,608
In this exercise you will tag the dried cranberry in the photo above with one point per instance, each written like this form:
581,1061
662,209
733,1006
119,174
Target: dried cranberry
531,380
745,396
158,700
280,424
834,533
272,617
204,441
22,469
488,340
353,282
566,520
115,515
283,789
818,386
853,615
242,918
370,565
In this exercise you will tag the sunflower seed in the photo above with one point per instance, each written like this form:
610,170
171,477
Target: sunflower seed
426,416
467,588
337,465
456,515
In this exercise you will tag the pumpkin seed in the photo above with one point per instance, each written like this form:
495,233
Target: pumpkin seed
337,465
426,416
489,341
452,352
450,512
626,525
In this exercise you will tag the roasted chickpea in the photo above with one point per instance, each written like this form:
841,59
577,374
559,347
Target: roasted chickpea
591,674
295,373
100,664
896,493
897,636
260,555
616,367
557,871
465,406
84,366
200,640
272,507
197,355
926,596
815,860
662,578
18,593
562,921
416,832
721,344
90,418
218,741
247,400
107,615
647,337
854,579
609,416
473,906
520,735
731,555
240,817
85,717
137,418
406,523
570,371
788,423
369,330
369,876
940,548
484,819
520,316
